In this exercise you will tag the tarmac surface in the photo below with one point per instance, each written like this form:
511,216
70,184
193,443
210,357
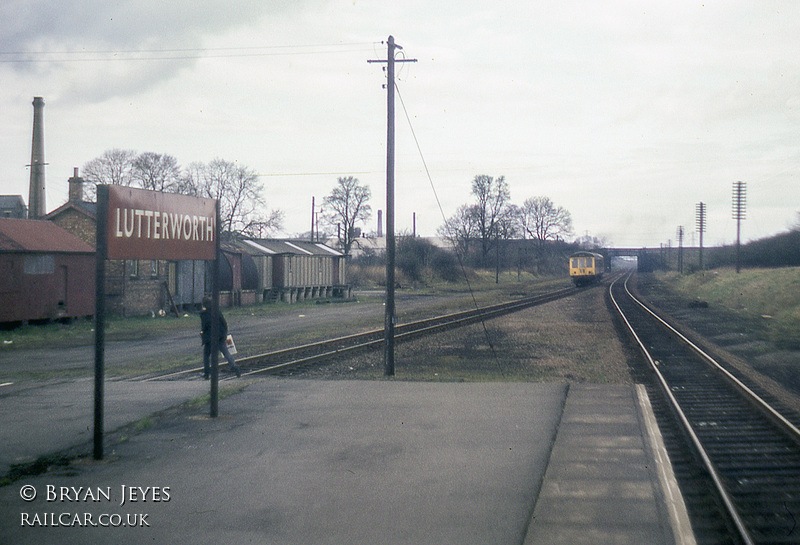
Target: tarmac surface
292,461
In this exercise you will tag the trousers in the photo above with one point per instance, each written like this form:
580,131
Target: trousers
225,352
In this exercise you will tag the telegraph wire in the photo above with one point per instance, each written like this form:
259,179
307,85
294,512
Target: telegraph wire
348,173
184,49
179,53
444,218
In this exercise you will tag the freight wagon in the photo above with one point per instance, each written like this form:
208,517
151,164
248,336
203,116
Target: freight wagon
298,270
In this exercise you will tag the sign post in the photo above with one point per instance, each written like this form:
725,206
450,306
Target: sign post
100,318
214,394
140,224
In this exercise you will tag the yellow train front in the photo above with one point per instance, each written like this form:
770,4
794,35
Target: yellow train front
586,267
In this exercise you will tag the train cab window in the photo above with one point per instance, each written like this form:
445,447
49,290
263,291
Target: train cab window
574,263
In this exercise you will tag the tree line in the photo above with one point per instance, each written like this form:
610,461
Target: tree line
484,233
480,230
242,206
489,232
243,209
780,250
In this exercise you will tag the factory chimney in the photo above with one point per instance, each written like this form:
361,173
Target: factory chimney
380,223
37,198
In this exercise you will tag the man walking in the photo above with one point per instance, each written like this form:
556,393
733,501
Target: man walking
206,321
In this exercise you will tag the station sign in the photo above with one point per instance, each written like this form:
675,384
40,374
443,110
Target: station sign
140,224
143,224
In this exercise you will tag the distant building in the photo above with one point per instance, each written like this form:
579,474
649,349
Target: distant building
46,273
369,245
12,206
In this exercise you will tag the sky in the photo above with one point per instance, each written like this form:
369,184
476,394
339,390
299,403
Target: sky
625,113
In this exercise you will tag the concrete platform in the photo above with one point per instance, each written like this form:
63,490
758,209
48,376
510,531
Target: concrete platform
602,482
303,461
39,419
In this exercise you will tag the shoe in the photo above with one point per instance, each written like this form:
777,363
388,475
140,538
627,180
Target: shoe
238,372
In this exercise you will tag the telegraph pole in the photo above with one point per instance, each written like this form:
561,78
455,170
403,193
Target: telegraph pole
680,249
701,227
389,318
739,212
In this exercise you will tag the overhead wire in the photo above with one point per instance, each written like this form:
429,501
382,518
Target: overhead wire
84,55
444,218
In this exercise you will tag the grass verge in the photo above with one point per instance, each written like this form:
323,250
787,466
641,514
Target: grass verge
771,295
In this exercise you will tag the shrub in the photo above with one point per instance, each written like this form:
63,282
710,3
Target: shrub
445,265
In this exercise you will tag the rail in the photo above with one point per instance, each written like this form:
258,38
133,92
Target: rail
787,428
305,354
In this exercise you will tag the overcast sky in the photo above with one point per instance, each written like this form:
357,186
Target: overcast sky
626,113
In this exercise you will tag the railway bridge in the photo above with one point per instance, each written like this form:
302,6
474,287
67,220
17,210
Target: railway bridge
649,259
646,258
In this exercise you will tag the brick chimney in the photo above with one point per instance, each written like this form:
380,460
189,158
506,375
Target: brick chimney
75,187
37,196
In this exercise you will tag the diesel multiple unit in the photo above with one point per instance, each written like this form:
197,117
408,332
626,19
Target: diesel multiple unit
586,267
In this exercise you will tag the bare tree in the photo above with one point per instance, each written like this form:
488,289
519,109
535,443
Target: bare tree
124,167
461,228
156,172
242,208
493,196
191,179
543,220
348,203
114,166
239,193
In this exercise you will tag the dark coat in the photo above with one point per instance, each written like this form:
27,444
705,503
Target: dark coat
206,323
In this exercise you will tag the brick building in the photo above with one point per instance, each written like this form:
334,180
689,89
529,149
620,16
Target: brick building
46,273
133,287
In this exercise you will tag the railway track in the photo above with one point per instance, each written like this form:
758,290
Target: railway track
287,360
736,457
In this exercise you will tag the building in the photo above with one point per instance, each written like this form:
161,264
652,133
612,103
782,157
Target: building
12,206
46,273
251,271
133,287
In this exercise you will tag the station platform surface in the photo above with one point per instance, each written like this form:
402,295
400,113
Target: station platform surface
341,462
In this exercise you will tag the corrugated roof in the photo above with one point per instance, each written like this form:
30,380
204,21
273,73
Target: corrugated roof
327,249
259,247
316,248
297,247
18,235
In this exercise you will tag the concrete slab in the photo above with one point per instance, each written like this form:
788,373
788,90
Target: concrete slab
601,485
302,461
47,418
